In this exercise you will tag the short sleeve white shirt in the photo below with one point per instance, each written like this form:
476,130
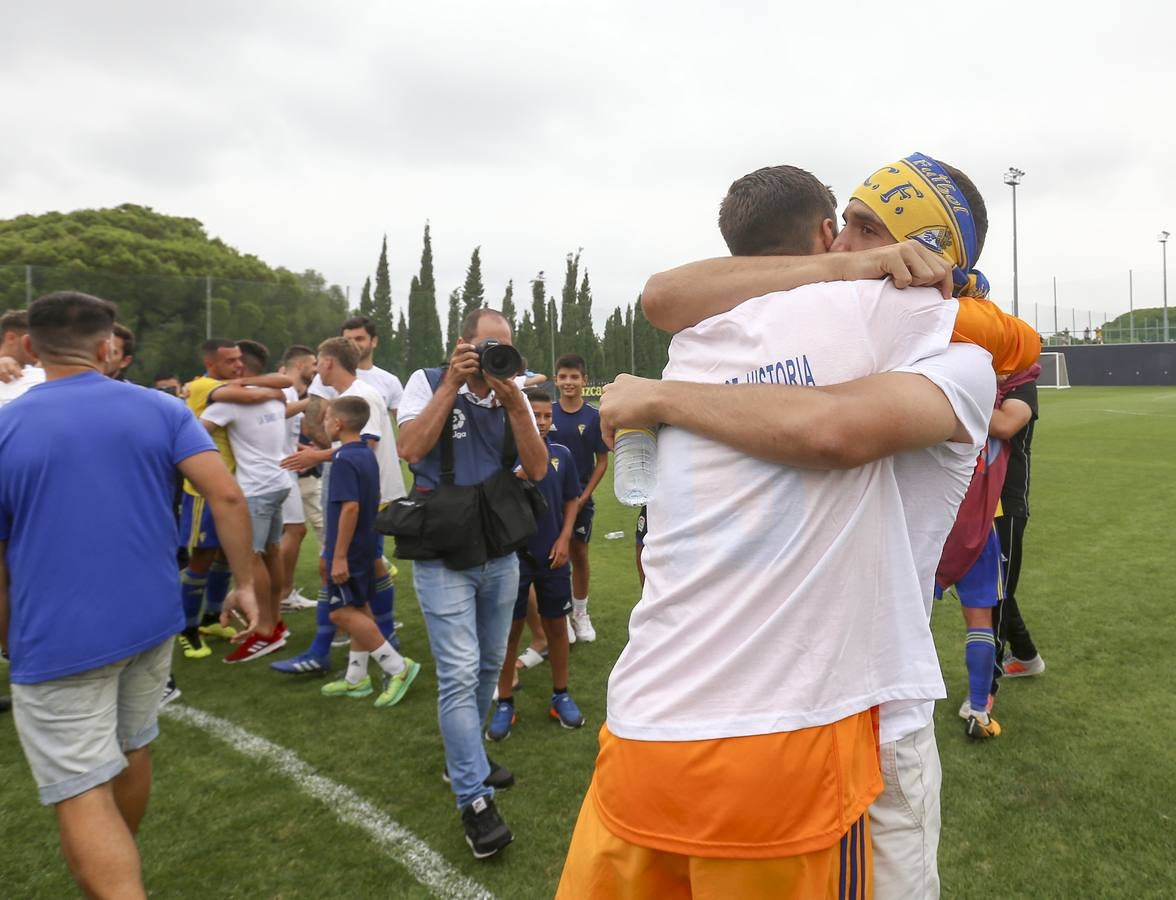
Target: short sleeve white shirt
318,389
257,434
797,586
418,394
30,376
386,383
379,428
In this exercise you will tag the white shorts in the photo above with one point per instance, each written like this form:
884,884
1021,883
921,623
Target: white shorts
75,730
292,513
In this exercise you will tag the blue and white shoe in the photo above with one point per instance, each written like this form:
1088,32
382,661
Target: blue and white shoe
564,710
501,721
303,664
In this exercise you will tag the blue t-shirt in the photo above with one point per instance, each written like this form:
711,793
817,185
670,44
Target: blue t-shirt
355,475
560,484
87,469
580,433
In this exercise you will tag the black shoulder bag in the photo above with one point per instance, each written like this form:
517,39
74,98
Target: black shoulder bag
511,506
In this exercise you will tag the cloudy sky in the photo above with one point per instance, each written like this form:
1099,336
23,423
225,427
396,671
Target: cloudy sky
304,132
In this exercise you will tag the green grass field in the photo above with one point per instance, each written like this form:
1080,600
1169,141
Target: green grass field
1077,799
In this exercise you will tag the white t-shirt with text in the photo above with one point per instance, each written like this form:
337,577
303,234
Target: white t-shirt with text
257,434
779,598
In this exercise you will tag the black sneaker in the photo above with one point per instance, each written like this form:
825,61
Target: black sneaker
500,777
485,831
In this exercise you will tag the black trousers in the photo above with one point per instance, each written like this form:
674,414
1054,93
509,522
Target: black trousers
1009,624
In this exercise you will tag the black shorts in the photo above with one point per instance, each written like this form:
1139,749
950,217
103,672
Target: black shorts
583,528
358,590
642,527
553,588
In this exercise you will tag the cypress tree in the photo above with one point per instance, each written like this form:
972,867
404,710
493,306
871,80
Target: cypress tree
508,308
424,324
365,298
398,351
538,360
454,318
382,309
472,294
567,310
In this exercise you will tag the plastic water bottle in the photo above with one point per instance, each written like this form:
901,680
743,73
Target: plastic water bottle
635,466
614,535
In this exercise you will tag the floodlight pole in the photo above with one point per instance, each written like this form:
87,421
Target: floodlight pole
1131,301
1012,178
1164,245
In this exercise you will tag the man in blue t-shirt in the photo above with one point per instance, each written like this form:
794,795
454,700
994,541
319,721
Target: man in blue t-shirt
91,642
544,565
351,548
576,425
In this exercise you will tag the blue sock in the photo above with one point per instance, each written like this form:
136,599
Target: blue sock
325,629
382,605
192,585
218,588
980,657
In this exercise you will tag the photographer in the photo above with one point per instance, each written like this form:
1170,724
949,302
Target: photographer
468,610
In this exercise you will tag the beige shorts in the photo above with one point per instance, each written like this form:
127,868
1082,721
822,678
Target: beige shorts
76,730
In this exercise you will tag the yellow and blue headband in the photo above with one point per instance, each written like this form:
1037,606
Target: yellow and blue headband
918,200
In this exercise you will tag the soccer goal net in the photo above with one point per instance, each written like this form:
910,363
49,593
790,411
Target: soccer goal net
1053,371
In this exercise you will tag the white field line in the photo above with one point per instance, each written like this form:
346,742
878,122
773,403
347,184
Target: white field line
425,864
1150,415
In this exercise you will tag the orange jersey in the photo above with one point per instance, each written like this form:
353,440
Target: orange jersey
1013,342
756,797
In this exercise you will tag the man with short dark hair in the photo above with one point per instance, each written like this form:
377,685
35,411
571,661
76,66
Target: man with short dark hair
14,325
124,353
91,642
167,382
468,610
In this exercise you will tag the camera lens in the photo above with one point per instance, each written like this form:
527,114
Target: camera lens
500,360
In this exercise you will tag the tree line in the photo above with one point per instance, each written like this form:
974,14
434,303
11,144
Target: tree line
172,281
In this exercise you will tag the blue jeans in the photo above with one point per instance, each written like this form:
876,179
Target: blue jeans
468,616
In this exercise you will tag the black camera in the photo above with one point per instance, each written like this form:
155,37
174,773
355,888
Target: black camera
498,359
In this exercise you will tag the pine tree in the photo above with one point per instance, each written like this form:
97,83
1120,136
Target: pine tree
365,298
472,294
382,309
454,317
508,308
424,324
527,344
583,337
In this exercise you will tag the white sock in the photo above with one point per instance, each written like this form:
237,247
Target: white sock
388,659
579,607
357,664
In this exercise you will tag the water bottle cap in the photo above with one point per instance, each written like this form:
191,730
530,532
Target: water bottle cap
621,431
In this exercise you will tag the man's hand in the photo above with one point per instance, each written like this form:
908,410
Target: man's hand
339,571
629,402
243,602
462,364
507,392
908,264
559,552
304,458
10,369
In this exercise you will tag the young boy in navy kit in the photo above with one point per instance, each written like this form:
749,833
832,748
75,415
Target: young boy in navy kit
350,550
544,564
577,426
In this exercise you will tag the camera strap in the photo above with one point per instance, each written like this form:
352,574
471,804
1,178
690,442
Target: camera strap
510,452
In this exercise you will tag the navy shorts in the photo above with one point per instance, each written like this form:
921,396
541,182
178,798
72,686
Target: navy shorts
197,528
359,590
642,527
982,586
583,528
553,588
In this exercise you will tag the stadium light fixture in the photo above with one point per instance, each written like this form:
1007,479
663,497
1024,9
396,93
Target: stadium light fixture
1012,178
1164,245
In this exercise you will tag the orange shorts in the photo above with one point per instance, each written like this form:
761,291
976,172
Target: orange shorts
602,866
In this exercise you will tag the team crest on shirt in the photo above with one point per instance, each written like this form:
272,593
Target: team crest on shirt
582,427
935,237
555,463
